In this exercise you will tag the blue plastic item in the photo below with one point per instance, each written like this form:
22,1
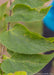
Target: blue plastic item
49,18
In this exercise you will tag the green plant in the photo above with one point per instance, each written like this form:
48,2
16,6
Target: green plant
25,47
18,73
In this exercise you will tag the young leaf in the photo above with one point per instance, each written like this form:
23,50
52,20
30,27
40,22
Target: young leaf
25,41
3,25
18,73
26,14
28,63
51,39
3,8
3,14
31,3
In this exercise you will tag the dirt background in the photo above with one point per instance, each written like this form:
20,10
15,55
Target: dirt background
3,1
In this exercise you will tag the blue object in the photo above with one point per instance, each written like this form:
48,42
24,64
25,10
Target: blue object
52,3
49,18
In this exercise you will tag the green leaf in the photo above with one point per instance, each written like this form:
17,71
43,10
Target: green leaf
28,63
3,14
3,25
19,39
31,3
34,26
11,53
3,8
10,73
0,71
51,39
26,14
18,73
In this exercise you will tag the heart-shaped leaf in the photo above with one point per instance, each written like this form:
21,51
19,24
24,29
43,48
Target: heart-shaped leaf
25,41
28,63
26,14
31,3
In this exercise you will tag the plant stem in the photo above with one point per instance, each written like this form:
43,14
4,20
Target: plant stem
1,72
3,47
10,12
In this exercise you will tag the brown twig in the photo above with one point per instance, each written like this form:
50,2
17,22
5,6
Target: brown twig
10,12
3,47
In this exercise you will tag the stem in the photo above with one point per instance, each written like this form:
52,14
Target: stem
10,12
3,47
1,53
1,71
